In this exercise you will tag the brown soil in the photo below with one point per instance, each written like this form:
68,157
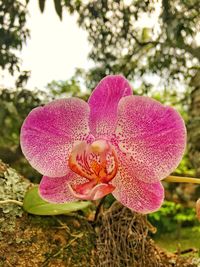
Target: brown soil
48,241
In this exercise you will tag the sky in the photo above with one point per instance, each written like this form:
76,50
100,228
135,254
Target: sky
54,49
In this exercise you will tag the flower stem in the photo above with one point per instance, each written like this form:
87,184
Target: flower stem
8,201
179,179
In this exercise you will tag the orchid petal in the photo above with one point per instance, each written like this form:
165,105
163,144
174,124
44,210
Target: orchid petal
48,134
103,104
135,194
57,189
151,136
92,193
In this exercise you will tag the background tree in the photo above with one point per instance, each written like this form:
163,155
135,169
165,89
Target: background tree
72,87
13,32
194,124
121,44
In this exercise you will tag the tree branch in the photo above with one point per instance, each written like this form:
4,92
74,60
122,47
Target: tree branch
143,43
168,18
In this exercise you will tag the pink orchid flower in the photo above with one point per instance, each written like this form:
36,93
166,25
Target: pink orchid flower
116,143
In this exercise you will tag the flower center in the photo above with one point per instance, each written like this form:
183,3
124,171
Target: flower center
97,162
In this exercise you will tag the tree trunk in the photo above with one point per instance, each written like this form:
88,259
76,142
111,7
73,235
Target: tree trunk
194,124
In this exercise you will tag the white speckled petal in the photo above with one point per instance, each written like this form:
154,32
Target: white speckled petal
137,195
151,136
48,134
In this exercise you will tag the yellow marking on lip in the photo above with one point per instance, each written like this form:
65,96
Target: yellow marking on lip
99,146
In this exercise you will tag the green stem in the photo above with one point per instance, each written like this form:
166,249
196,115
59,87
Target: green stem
8,201
179,179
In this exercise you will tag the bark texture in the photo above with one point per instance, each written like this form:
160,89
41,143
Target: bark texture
194,124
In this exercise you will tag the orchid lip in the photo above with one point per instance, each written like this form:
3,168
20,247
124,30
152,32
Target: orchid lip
95,161
94,193
98,163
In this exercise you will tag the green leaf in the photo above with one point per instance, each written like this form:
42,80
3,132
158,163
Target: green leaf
146,34
42,5
34,204
58,8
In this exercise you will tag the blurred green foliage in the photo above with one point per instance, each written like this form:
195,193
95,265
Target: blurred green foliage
185,167
64,88
68,88
171,217
189,237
